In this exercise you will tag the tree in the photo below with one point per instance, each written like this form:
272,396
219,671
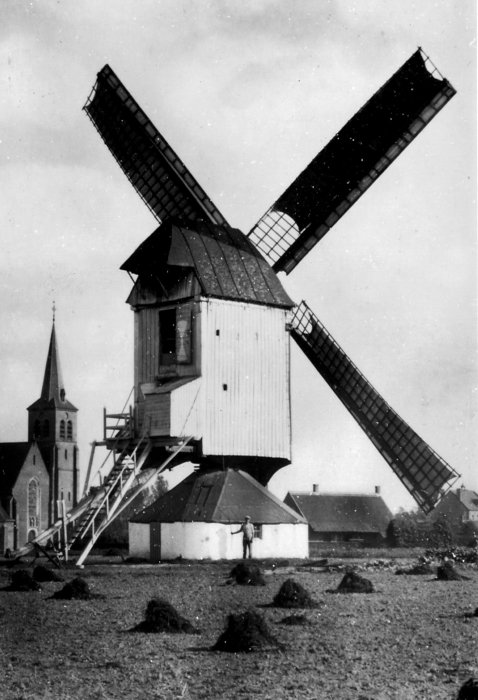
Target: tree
116,534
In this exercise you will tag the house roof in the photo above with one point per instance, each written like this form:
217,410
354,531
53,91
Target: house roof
53,388
218,496
225,262
12,459
342,512
468,498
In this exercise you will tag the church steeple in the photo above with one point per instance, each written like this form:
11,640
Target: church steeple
53,394
53,388
52,423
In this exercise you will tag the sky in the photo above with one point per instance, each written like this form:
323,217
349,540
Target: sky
246,92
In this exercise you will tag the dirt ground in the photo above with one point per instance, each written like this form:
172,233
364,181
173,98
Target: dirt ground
410,639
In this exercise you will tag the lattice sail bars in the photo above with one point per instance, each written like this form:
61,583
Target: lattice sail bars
424,473
150,164
351,162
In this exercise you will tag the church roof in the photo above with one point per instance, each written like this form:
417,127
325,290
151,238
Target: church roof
4,517
53,388
218,496
225,262
12,459
342,512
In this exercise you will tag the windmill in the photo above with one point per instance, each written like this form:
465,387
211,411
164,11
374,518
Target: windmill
212,319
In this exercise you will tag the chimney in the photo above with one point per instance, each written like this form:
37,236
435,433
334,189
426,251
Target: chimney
377,490
315,488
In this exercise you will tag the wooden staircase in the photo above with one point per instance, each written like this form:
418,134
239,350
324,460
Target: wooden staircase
90,518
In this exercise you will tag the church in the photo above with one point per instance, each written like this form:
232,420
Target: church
36,474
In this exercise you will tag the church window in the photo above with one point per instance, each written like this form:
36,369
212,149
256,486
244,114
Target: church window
62,430
37,429
61,496
69,430
46,428
69,495
62,394
34,503
66,454
34,459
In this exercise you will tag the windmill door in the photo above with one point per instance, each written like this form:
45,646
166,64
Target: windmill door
155,542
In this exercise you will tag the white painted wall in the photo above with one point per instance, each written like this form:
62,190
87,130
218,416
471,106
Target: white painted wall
215,541
244,347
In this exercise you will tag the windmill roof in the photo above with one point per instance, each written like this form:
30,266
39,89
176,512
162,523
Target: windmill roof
218,496
226,263
342,512
12,459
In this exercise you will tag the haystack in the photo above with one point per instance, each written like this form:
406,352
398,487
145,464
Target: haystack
447,572
161,616
353,583
21,580
247,575
469,690
292,595
42,573
247,631
77,589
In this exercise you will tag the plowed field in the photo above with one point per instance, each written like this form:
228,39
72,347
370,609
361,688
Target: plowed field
412,638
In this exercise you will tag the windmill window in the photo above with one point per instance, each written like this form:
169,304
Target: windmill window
69,430
175,336
167,335
62,430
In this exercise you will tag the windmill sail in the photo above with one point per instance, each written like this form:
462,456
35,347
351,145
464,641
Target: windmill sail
351,162
419,468
150,164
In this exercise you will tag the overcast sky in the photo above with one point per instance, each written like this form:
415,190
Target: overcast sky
246,92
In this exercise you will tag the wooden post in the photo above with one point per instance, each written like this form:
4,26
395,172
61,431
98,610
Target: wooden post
64,537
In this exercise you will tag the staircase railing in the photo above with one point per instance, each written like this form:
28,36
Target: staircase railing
109,512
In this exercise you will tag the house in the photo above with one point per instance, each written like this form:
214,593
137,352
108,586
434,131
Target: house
459,508
197,519
36,474
342,517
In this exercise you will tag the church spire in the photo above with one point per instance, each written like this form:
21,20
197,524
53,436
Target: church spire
53,387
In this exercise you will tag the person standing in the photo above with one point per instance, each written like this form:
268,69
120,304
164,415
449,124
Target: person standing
247,529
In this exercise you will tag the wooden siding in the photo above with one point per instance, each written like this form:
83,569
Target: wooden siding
157,414
245,402
185,410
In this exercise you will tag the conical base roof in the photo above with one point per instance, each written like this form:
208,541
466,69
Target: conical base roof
223,496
